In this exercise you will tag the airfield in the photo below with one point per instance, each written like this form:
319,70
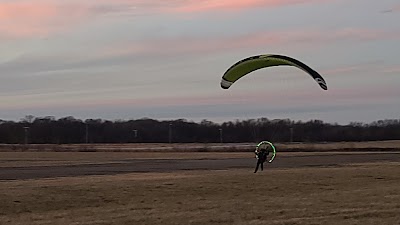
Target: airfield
323,183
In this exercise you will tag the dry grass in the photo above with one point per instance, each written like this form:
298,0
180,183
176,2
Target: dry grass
344,146
17,159
359,194
26,159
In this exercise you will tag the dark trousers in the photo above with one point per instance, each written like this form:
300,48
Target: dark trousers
259,162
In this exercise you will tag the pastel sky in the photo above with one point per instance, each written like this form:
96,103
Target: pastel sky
163,59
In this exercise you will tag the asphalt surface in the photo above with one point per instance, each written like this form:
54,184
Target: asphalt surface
170,165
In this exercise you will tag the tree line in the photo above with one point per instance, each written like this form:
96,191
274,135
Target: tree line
69,130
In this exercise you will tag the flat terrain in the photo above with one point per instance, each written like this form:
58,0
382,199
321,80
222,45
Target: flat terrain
28,165
348,187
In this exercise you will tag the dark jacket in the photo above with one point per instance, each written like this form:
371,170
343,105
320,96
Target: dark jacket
262,155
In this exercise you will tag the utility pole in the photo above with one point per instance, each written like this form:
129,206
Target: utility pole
135,135
170,133
220,135
291,134
87,133
26,134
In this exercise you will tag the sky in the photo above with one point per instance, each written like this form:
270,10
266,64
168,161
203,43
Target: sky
164,59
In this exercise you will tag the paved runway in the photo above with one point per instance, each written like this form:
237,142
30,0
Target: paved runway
169,165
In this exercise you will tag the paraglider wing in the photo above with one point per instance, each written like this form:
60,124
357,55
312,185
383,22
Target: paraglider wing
266,144
248,65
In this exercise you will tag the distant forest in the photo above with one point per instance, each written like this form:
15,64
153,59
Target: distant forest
69,130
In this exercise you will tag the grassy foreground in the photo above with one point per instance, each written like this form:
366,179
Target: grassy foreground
358,194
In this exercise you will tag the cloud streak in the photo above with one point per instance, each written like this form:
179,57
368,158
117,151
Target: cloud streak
394,9
355,68
127,52
229,5
392,69
27,19
298,38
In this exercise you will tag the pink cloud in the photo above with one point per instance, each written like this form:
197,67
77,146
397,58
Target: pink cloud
190,6
199,6
296,38
394,9
360,67
365,94
21,19
340,70
26,19
229,97
392,69
366,34
374,66
31,19
39,101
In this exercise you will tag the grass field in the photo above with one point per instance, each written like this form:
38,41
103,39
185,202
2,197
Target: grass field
354,194
366,194
15,159
26,159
